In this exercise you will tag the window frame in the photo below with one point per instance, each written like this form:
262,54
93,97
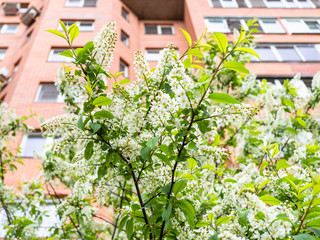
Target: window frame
52,55
23,143
223,24
123,10
79,25
126,68
3,52
303,24
234,4
274,48
127,41
277,24
4,28
159,29
286,4
81,4
59,99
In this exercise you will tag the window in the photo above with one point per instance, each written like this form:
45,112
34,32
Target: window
81,3
48,93
309,53
84,25
217,25
125,38
125,14
266,54
50,218
34,142
159,29
289,4
302,26
223,3
23,7
55,57
152,54
271,26
8,28
226,25
288,53
124,68
2,53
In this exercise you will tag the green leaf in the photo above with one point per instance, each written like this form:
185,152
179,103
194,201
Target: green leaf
145,153
63,26
56,32
195,52
223,98
248,50
314,223
188,211
197,67
74,32
152,143
166,212
301,122
192,163
236,66
163,158
122,223
270,200
88,151
102,101
95,127
214,237
187,36
103,114
179,186
303,236
129,228
222,41
211,217
315,230
67,53
202,224
243,218
80,124
282,164
265,182
124,81
188,176
263,165
222,220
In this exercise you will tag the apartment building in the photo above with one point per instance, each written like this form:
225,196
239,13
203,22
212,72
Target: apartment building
289,43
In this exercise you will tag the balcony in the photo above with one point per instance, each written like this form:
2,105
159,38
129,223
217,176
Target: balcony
156,9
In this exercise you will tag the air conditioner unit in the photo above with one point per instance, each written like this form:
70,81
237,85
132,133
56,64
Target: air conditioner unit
4,74
30,16
11,9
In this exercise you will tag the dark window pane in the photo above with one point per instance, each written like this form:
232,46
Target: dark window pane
242,4
234,23
309,53
166,30
216,3
266,54
257,3
288,54
125,14
313,25
48,93
90,3
151,29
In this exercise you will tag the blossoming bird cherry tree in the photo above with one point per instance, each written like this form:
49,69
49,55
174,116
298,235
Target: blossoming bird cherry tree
151,149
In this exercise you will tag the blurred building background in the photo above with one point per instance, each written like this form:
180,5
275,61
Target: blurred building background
29,56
